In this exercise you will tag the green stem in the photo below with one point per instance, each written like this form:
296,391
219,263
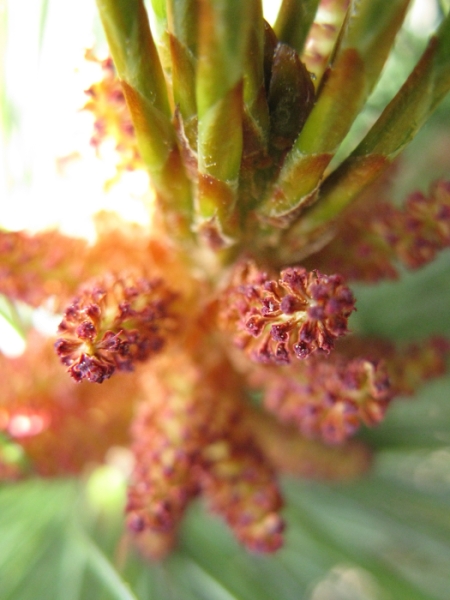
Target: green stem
223,37
365,41
293,22
139,69
182,25
426,86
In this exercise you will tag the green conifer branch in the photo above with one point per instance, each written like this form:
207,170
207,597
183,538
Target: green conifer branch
223,38
182,26
425,87
161,38
254,93
139,69
365,41
294,20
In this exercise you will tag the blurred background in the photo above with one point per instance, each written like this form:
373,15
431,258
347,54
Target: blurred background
385,537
